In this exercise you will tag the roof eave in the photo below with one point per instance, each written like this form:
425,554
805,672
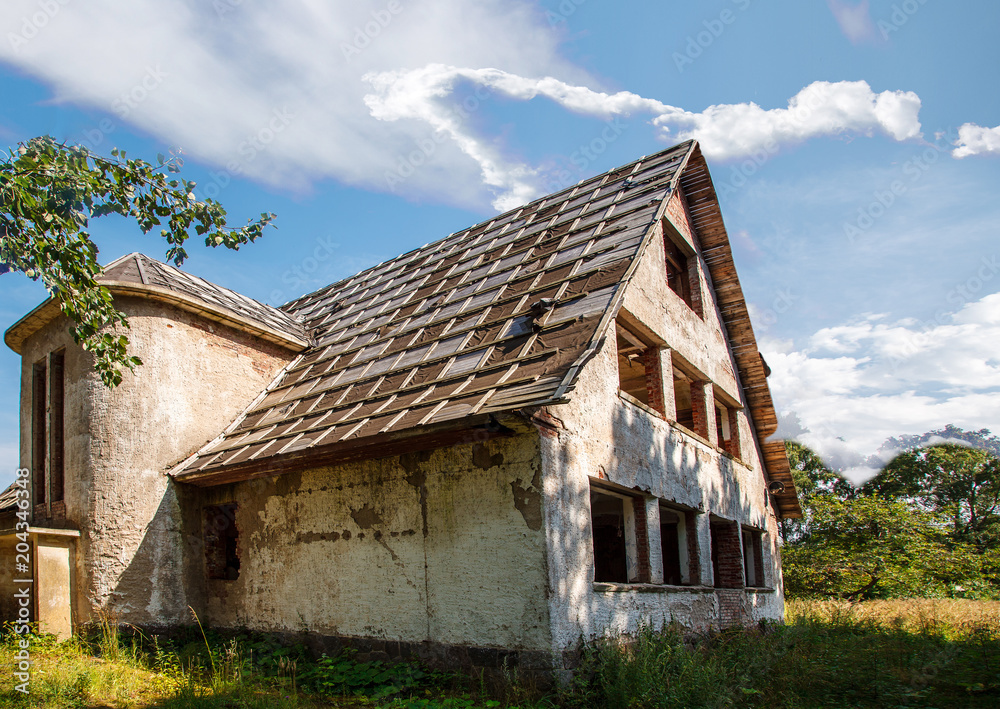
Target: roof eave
707,221
39,317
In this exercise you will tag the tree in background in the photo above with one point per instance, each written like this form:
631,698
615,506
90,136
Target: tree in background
50,191
925,526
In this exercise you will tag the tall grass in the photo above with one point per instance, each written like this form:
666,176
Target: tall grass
883,654
919,653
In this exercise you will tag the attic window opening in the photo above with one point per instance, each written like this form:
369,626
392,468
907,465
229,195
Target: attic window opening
619,536
639,372
682,275
221,538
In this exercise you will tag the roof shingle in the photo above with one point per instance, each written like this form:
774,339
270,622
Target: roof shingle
493,318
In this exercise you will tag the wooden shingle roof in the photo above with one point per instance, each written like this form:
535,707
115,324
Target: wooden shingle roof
494,318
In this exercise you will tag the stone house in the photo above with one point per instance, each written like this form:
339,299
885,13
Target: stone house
546,427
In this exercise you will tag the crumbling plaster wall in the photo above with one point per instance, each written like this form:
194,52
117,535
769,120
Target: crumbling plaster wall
599,434
443,547
196,376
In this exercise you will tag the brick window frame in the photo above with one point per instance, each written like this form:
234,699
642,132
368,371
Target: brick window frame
640,368
681,262
620,546
727,554
727,427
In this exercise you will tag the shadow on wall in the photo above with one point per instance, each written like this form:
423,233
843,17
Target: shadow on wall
670,465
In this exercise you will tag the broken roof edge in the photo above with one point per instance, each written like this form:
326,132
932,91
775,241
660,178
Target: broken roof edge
707,221
604,325
41,315
425,437
689,145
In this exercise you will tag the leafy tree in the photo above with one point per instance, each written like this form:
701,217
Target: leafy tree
958,482
870,547
812,478
50,191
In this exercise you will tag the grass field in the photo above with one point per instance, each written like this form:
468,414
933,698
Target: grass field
909,653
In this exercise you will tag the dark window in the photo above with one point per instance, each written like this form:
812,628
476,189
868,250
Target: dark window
639,369
673,545
753,557
56,416
39,432
678,270
610,546
221,536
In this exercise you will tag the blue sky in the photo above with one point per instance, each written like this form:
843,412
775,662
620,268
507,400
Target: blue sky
855,147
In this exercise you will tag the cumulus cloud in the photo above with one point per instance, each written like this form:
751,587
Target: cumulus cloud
976,140
855,20
274,89
725,131
855,385
371,93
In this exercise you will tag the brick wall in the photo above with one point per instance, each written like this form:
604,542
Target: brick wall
641,538
703,411
730,606
728,555
694,561
654,379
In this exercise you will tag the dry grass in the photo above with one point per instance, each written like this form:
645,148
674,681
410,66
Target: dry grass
953,618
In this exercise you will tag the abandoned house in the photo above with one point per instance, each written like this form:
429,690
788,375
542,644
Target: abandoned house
547,427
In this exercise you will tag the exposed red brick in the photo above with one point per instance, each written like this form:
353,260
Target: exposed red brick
641,538
654,379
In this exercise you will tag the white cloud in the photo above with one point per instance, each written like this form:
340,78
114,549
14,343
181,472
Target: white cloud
725,131
275,91
221,70
855,385
976,140
855,20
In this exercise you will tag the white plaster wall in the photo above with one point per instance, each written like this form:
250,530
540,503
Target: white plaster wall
605,436
444,546
196,377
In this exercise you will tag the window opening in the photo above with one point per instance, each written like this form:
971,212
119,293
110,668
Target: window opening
39,432
639,373
683,409
674,546
221,538
621,542
753,557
